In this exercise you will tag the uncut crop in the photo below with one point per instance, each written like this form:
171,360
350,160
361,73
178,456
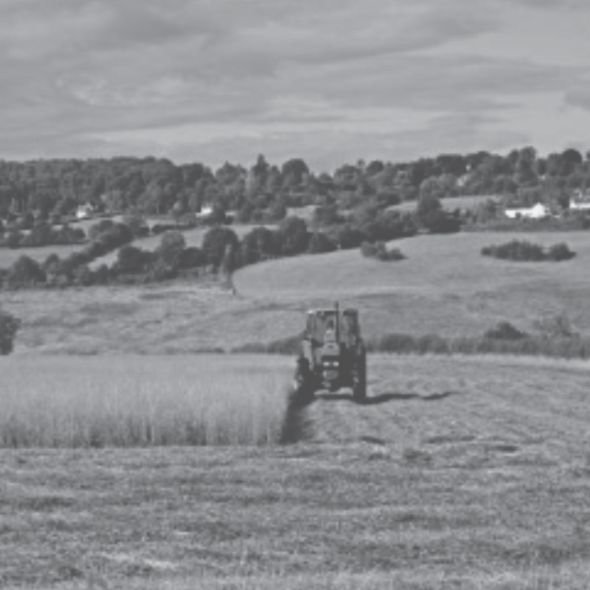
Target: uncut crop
140,401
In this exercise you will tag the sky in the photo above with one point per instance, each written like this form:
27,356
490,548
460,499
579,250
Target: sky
332,81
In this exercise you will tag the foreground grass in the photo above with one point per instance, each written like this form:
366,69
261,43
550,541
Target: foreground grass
140,401
459,473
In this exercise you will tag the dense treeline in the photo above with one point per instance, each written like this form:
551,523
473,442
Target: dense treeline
52,189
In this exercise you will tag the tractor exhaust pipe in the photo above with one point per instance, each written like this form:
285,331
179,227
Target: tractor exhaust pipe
337,310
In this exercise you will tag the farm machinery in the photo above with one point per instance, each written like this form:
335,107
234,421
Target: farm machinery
332,354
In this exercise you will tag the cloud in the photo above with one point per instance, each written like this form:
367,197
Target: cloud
334,77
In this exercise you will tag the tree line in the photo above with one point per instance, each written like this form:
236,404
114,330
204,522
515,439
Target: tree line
51,190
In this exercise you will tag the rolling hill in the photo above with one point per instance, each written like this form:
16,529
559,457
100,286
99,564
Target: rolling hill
443,286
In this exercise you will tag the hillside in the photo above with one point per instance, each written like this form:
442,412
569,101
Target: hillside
443,286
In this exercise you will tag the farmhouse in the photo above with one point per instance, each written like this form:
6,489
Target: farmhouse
537,211
84,211
580,201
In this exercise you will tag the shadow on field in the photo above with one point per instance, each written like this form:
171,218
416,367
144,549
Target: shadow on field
385,397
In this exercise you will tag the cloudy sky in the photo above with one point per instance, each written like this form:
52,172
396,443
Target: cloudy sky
328,80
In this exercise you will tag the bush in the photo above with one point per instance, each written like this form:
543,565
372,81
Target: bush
9,326
350,237
505,331
320,243
379,251
522,250
25,272
559,252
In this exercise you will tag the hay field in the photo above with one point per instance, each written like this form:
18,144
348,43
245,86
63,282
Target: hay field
468,474
140,401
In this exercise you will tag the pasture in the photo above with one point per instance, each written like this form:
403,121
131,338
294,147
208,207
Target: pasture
444,286
464,202
458,474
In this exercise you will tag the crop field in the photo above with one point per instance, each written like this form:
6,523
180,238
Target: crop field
137,401
457,474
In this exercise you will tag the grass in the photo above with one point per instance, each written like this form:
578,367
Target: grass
135,401
464,202
459,474
443,287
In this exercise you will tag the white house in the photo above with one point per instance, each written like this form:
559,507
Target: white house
205,211
84,211
537,211
580,201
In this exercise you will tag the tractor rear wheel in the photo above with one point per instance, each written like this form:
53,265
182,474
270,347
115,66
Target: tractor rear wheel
359,379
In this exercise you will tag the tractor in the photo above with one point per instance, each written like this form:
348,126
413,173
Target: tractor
332,354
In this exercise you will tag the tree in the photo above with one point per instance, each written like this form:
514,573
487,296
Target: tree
171,246
25,272
131,260
259,244
320,243
293,236
9,326
215,243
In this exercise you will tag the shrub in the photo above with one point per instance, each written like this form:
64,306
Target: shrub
25,272
379,251
9,326
320,243
350,237
191,258
559,252
522,250
131,259
505,331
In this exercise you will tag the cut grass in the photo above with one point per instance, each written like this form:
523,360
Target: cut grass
140,401
486,488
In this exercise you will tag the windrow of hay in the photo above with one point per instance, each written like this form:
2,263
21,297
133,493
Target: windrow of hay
141,401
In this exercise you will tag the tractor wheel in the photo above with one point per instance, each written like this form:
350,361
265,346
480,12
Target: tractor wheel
359,379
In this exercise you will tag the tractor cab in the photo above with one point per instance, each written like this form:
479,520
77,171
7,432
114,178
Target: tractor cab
332,351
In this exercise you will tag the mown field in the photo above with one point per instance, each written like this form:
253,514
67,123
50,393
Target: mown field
459,473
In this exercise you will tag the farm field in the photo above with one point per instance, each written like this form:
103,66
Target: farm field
60,401
444,286
466,202
469,473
